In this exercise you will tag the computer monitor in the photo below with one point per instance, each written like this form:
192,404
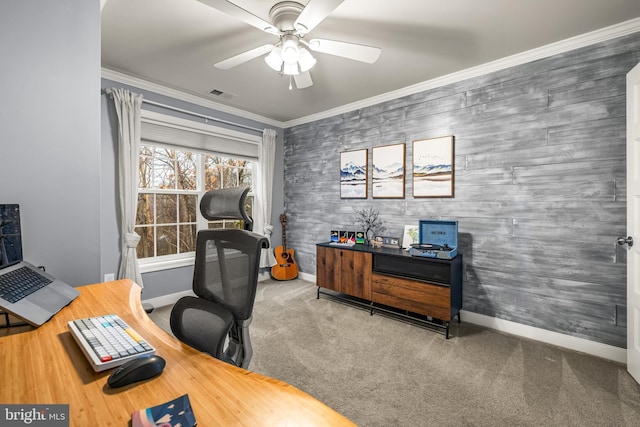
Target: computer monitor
10,236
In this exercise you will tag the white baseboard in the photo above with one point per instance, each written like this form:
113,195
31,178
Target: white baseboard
308,277
569,342
593,348
264,276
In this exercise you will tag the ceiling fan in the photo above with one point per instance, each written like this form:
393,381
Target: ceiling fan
290,22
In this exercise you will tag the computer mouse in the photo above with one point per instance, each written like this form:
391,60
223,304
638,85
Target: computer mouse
138,369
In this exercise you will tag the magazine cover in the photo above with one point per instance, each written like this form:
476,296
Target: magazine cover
176,413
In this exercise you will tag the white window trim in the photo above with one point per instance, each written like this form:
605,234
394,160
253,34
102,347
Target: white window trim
148,265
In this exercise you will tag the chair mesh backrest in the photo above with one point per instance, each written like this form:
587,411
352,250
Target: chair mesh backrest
226,203
226,268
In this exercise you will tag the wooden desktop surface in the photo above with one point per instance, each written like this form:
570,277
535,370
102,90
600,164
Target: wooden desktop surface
46,366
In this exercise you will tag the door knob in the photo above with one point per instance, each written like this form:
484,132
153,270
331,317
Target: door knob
625,241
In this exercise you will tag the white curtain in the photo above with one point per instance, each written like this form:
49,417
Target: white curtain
128,109
267,161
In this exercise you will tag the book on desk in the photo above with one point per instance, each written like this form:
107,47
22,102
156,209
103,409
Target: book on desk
176,412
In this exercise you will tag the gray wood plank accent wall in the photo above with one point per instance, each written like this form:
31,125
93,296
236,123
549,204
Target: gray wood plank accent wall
540,190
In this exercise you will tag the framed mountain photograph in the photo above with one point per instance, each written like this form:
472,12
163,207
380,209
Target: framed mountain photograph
388,172
353,174
433,167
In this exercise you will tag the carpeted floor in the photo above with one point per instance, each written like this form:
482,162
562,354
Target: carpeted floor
382,372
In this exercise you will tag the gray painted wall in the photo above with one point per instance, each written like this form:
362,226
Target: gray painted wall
160,283
540,191
50,121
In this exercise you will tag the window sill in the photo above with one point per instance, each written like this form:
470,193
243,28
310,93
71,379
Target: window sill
155,265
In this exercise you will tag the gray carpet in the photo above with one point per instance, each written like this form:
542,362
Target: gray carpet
382,372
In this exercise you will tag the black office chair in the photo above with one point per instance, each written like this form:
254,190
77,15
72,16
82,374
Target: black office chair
225,278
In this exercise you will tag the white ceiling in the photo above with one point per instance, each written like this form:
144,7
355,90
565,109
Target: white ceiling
175,43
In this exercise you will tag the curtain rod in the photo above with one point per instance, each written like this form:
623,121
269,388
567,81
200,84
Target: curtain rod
108,91
202,116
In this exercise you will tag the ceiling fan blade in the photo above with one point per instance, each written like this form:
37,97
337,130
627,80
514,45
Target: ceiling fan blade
303,80
244,57
236,11
354,51
314,13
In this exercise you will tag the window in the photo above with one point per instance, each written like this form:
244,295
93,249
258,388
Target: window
171,182
180,160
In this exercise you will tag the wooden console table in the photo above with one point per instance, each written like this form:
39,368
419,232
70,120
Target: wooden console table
390,280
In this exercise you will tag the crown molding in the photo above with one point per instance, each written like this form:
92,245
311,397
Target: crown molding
603,34
597,36
119,77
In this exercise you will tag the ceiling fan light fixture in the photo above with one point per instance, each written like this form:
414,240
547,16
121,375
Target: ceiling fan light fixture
290,51
290,21
274,59
306,61
290,69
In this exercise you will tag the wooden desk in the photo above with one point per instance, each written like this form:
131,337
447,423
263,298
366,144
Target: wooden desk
46,366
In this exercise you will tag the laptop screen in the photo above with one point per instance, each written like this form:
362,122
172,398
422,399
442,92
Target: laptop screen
10,237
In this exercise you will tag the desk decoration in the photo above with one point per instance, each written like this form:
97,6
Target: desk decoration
368,219
410,236
433,167
175,413
353,174
388,242
388,172
343,238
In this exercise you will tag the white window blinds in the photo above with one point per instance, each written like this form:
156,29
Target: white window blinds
198,136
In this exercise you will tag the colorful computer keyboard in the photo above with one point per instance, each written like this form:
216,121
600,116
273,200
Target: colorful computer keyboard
107,341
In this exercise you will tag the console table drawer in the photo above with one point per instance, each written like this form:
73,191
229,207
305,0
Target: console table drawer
417,297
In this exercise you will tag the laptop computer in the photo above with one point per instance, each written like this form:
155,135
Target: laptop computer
26,291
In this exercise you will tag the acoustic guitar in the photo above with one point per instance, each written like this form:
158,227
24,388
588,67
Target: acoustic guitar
286,268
